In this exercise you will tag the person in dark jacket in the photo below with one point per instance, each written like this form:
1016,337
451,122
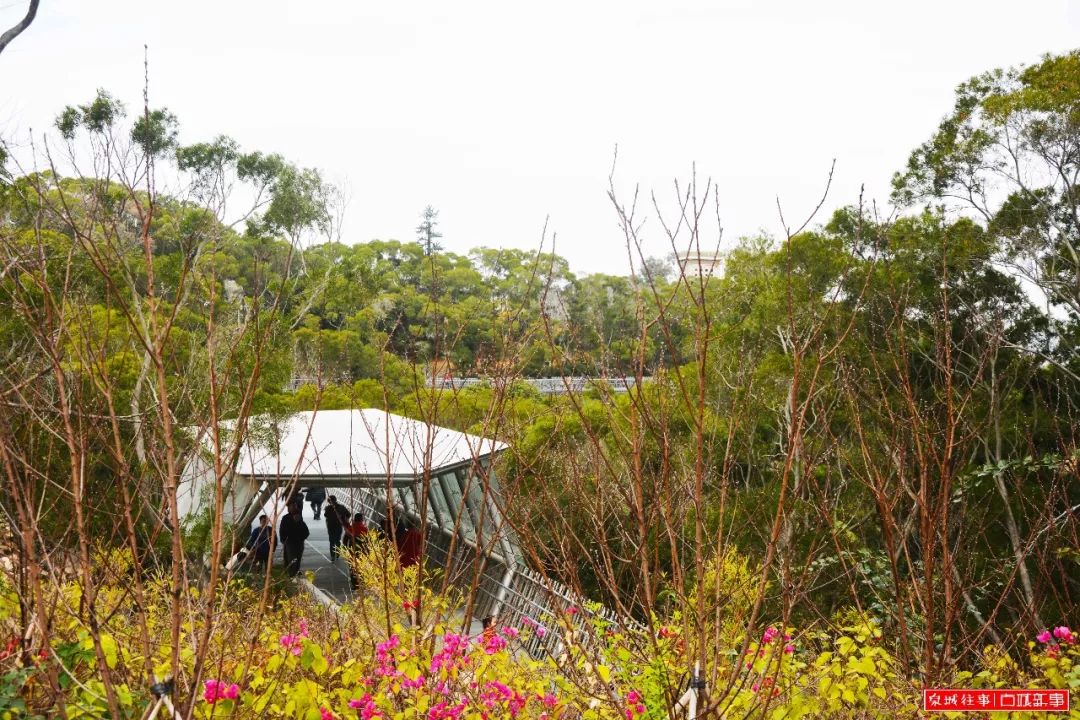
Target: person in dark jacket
316,497
261,542
337,517
293,532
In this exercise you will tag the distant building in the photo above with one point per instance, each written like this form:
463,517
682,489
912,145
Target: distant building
700,264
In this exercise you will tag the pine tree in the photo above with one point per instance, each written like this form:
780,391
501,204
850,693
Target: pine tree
427,233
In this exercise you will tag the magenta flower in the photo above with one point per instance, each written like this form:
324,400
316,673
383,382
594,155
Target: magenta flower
214,690
445,711
571,610
541,631
292,643
366,706
326,714
303,628
1064,634
494,644
633,697
1043,637
788,649
510,633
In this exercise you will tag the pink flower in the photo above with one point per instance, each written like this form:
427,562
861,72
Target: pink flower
1064,634
443,711
571,610
639,709
770,633
326,714
1043,637
303,628
633,697
214,690
755,687
516,704
788,649
510,633
210,691
366,706
494,644
541,631
292,643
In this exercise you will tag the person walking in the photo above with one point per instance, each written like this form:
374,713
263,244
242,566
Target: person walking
316,497
261,542
293,532
337,517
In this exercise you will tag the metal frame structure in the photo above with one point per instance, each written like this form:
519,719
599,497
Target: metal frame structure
374,456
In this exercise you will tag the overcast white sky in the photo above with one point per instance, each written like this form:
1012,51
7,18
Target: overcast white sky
501,114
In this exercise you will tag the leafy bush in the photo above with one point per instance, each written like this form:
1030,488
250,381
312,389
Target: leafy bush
398,654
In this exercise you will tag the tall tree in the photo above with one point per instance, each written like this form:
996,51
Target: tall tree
427,233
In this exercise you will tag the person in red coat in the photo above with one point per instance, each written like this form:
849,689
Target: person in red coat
410,545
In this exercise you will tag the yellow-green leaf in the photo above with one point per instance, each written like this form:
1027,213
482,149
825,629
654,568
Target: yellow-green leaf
108,647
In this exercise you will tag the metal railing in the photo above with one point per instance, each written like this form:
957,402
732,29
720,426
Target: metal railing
529,599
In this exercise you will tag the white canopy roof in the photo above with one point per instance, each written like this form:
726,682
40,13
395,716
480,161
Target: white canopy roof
338,444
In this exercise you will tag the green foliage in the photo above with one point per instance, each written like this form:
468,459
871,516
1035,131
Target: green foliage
155,132
97,116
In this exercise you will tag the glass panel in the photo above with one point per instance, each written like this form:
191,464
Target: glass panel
481,512
407,501
440,508
451,485
507,540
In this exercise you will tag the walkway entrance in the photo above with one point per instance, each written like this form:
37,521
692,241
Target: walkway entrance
374,461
